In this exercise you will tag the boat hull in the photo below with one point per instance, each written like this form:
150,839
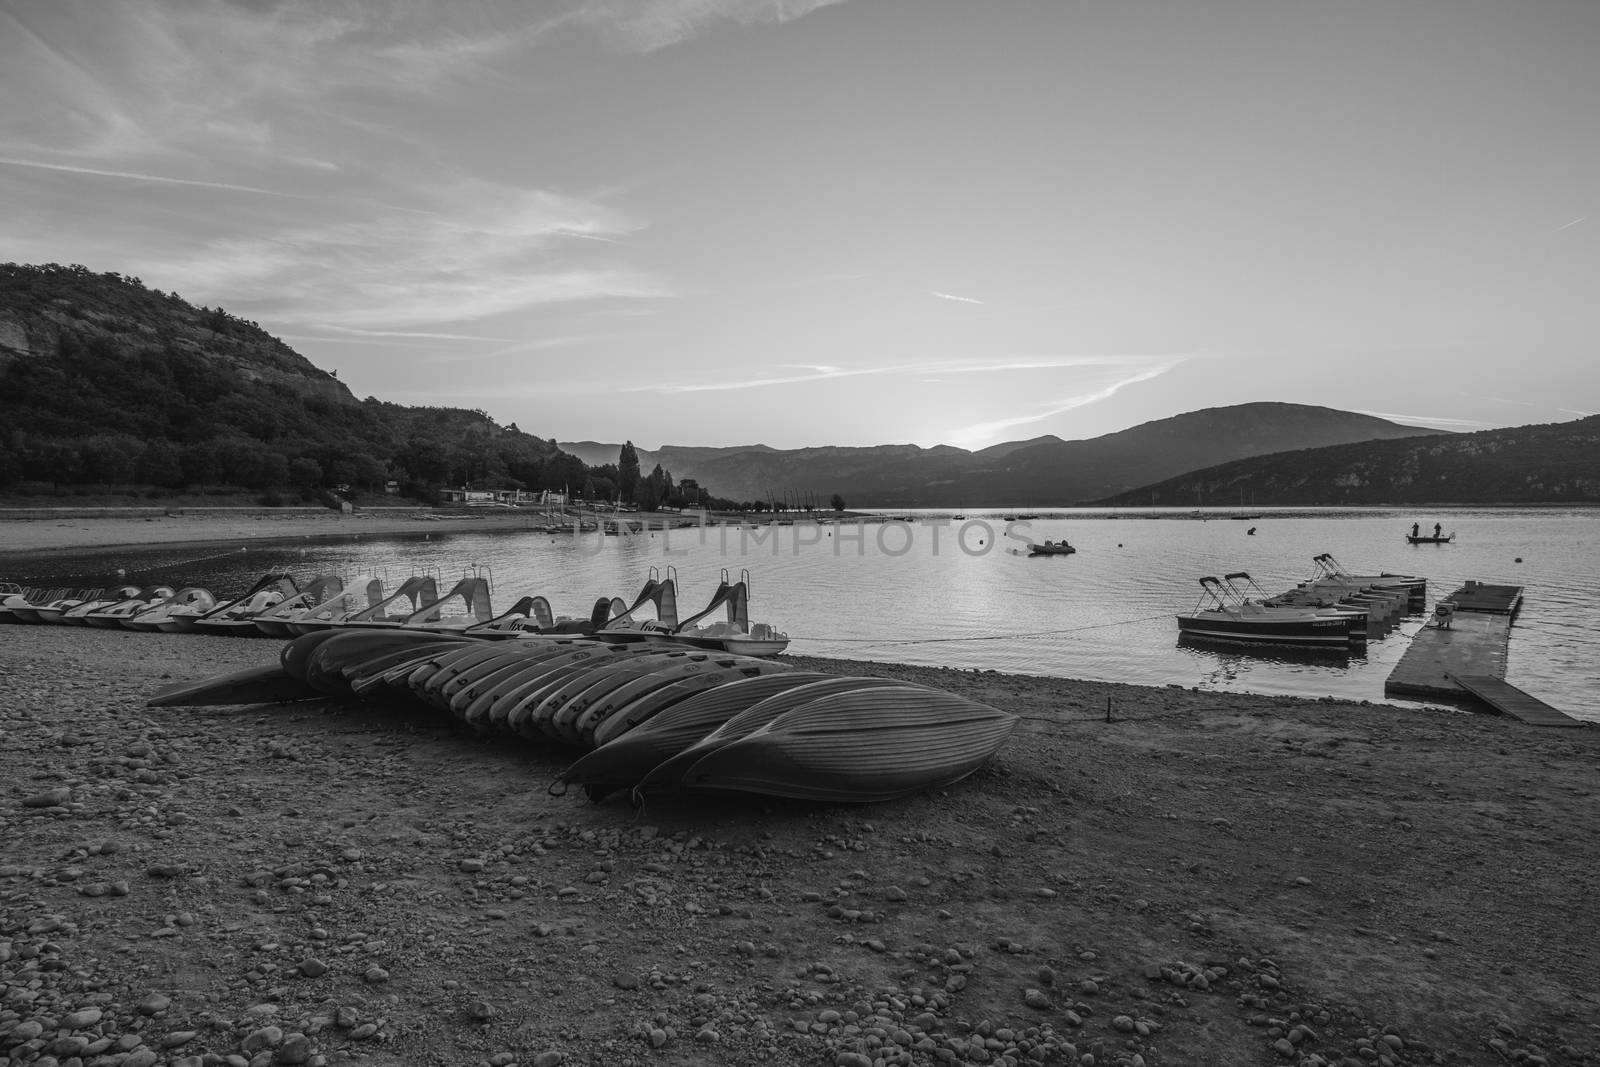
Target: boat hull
860,747
1335,631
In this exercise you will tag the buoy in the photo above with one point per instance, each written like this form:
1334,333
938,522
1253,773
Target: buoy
1519,560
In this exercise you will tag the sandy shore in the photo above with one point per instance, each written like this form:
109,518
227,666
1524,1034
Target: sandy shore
1206,879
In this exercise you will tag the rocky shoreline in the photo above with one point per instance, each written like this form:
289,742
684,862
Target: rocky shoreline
1203,879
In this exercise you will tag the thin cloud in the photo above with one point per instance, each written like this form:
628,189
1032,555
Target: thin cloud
650,25
311,338
1435,422
834,278
818,375
538,344
417,334
824,373
985,432
588,236
952,296
161,178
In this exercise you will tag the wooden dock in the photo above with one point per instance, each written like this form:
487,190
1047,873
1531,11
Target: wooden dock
1509,700
1466,659
1488,598
1474,645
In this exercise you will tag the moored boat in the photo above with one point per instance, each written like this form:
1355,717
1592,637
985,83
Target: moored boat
1330,573
1222,616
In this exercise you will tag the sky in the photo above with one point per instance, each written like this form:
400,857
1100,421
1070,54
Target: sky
854,222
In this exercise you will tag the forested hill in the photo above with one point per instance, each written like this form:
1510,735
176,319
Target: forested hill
1544,464
104,382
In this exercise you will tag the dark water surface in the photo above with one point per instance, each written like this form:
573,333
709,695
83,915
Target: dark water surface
942,591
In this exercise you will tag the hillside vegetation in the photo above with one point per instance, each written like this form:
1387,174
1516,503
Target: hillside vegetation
1545,464
104,382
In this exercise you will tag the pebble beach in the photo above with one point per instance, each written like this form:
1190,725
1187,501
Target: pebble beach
1143,876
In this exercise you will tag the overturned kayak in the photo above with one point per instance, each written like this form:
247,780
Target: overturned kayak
860,746
669,774
630,750
255,685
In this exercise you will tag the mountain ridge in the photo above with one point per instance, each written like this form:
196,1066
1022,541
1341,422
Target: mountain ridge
1043,471
1540,463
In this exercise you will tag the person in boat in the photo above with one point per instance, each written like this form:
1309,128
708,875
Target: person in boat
1416,529
1436,529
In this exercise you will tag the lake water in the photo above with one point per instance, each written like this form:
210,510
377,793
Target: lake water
959,593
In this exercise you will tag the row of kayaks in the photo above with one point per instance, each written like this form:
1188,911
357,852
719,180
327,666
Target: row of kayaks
653,718
1333,609
276,606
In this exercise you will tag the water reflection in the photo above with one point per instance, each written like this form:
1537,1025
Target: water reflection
1230,655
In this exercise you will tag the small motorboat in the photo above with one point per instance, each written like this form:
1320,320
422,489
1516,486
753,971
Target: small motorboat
1381,609
1222,615
1425,539
1052,548
1331,573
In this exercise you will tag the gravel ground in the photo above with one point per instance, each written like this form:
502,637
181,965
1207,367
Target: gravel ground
1204,879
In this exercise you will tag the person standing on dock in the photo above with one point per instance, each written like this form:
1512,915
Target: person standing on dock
1436,529
1416,529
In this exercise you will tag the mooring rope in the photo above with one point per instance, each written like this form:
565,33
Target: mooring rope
1025,636
112,568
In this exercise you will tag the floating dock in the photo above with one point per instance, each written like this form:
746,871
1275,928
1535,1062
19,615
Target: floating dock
1474,644
1488,599
1509,700
1461,654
